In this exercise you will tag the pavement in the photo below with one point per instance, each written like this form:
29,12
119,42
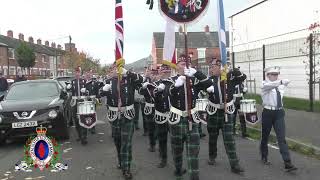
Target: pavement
301,126
97,160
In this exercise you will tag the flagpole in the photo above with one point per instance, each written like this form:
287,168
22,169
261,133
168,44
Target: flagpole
188,99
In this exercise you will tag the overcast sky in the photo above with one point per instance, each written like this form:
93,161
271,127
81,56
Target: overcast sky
91,23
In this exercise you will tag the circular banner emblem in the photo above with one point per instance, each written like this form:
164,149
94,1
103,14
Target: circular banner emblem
183,11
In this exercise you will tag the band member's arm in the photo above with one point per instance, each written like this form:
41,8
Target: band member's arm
268,86
203,81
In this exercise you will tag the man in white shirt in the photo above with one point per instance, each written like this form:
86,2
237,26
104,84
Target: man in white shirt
273,115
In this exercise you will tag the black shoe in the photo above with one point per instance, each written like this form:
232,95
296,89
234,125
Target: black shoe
127,175
179,172
265,161
237,169
152,149
202,135
245,135
289,166
84,142
211,161
162,164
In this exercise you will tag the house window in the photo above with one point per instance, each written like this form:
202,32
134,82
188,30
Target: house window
11,53
43,58
201,55
12,71
58,59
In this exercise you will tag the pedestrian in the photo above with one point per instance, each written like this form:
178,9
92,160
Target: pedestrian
20,77
273,115
3,85
220,115
120,100
183,125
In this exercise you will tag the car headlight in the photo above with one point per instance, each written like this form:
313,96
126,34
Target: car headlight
53,114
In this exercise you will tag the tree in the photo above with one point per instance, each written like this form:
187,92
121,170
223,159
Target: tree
25,56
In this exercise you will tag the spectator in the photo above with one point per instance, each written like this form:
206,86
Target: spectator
20,77
3,84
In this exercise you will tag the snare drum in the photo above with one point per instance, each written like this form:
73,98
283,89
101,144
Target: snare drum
248,111
201,105
86,107
248,106
87,114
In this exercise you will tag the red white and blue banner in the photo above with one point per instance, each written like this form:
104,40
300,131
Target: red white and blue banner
119,35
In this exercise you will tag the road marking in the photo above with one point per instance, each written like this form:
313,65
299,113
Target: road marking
67,142
4,179
67,150
101,122
39,177
271,146
87,168
101,140
8,172
101,133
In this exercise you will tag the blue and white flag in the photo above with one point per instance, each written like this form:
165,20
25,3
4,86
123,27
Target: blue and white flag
222,36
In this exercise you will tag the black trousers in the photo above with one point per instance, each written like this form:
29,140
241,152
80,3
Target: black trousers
137,112
144,119
275,119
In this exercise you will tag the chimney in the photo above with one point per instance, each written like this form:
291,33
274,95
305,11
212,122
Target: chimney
10,33
206,29
21,37
39,41
53,45
59,46
30,39
46,43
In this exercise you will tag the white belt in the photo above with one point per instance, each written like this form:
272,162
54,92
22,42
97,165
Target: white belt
272,108
122,109
182,113
220,106
149,104
79,97
238,95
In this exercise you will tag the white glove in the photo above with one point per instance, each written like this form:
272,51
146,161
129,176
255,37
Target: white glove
180,81
189,72
161,87
69,86
124,71
285,82
245,89
210,89
144,85
83,90
106,87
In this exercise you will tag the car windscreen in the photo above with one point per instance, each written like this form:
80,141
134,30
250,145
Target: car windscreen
32,90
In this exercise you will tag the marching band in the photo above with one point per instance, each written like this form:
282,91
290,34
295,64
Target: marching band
166,110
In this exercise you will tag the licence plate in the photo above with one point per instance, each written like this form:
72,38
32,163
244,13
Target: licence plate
24,124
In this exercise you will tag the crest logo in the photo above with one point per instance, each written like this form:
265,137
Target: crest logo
183,11
41,152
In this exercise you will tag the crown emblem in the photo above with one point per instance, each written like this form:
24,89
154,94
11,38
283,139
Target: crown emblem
41,130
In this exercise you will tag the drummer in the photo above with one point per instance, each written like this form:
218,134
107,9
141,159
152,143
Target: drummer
273,115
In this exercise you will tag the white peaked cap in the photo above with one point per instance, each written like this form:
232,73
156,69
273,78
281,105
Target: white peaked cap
272,69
